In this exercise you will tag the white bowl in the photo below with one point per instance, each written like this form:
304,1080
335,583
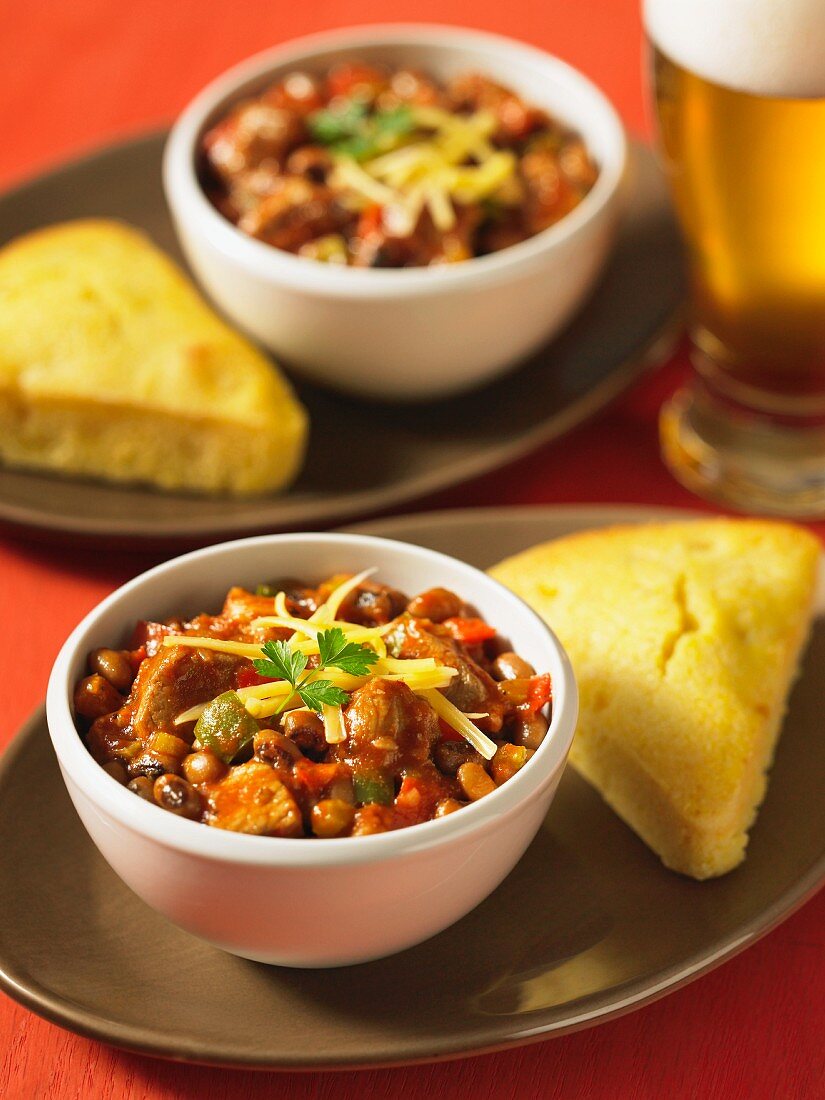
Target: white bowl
416,333
308,902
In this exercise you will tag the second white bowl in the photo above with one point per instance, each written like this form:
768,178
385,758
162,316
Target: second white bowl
417,333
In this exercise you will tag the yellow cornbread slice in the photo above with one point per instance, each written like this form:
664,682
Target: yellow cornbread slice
111,365
684,638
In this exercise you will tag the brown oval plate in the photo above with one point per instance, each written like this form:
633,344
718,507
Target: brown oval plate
364,457
588,926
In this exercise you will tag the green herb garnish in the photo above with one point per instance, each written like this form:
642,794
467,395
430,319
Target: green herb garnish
336,652
329,126
351,131
281,662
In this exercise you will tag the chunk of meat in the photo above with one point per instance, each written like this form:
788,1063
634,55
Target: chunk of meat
473,690
389,728
174,680
242,604
250,187
436,604
254,133
150,635
372,605
549,193
296,212
252,799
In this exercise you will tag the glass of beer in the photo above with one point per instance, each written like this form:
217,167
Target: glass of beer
740,106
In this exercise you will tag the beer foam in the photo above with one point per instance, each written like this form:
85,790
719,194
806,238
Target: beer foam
765,47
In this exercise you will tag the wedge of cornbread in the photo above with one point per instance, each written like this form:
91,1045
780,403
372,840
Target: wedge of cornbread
685,638
111,365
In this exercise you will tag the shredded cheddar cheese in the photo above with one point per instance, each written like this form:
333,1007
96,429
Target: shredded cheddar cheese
334,728
460,723
422,675
431,172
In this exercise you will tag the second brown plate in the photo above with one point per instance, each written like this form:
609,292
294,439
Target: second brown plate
588,925
364,457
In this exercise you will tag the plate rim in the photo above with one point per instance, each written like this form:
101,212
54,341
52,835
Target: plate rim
68,1014
647,354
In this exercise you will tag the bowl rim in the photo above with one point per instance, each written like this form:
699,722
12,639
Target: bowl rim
183,189
194,838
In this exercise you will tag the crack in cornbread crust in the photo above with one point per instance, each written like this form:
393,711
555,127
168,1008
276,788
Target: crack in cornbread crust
112,365
685,638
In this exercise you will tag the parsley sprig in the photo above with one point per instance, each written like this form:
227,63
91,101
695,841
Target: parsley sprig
353,131
281,662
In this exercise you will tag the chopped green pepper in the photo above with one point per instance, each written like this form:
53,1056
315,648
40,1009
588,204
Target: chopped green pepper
266,590
373,787
225,726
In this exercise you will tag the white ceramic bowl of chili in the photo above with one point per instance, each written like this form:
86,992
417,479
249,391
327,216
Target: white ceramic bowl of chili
309,902
414,333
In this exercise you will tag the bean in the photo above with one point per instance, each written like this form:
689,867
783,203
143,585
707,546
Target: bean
203,767
114,666
332,817
474,781
448,806
508,760
450,755
154,765
306,730
116,770
436,604
94,696
276,749
143,787
509,666
530,730
372,605
176,795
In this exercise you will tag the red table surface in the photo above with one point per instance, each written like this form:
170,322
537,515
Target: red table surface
83,73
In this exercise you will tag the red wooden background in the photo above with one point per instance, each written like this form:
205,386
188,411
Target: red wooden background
77,74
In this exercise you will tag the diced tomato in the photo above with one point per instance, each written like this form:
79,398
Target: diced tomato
355,78
410,792
540,693
136,656
470,631
415,800
448,733
248,677
370,222
317,777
